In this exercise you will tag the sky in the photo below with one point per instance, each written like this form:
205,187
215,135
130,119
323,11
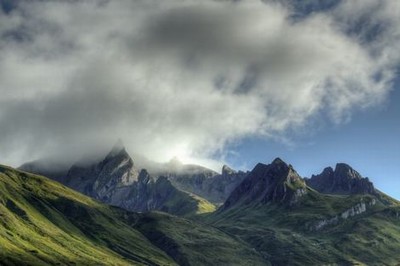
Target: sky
209,82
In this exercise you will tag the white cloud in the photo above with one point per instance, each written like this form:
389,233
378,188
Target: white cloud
181,77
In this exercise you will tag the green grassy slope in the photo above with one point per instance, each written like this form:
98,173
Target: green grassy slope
186,204
191,243
180,203
284,234
43,222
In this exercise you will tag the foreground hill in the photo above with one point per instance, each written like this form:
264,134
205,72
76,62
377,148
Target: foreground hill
45,223
290,223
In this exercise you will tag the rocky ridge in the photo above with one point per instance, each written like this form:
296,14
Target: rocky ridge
277,182
117,181
344,180
214,187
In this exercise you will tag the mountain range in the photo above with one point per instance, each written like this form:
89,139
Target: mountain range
172,187
181,214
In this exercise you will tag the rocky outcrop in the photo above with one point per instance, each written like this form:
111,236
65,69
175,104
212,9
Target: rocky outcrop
343,180
226,170
357,209
277,182
107,179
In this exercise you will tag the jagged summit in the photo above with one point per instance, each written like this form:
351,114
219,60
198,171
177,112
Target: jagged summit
118,148
278,160
275,182
226,170
345,170
100,180
144,176
343,180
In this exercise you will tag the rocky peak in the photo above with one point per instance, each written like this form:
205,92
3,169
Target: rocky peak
117,150
276,182
328,171
118,162
144,177
226,170
345,171
343,180
101,179
278,161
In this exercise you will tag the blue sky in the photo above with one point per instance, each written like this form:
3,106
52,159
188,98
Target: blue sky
370,143
209,82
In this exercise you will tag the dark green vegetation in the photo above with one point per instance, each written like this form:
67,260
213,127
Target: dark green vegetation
191,243
289,234
45,223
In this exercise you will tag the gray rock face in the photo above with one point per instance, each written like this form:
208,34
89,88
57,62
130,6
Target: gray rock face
149,194
106,180
226,170
116,181
214,187
343,180
276,182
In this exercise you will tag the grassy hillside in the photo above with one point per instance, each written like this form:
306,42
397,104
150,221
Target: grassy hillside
177,202
45,223
285,234
191,243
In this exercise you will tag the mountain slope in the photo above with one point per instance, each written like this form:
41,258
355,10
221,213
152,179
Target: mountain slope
191,243
45,223
149,193
314,228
